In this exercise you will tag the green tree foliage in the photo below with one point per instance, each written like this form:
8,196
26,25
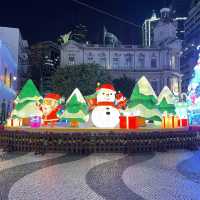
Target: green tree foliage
149,101
164,106
143,101
124,85
79,33
166,101
84,77
76,108
26,101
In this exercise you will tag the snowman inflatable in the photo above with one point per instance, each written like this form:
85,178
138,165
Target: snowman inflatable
105,115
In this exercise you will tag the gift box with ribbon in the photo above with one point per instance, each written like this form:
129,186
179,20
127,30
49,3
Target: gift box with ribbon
129,122
183,123
170,122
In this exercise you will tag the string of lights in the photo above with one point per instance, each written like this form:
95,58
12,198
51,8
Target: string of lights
106,13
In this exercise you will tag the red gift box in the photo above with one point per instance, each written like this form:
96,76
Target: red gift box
184,122
128,122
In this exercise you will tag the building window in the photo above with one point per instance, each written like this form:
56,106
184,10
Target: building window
115,63
141,60
173,62
102,59
10,81
128,60
71,59
153,61
5,75
90,58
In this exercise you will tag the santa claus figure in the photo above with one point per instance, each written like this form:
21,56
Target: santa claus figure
105,114
50,107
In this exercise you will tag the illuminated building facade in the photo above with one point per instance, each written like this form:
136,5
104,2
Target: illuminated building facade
150,24
13,39
159,63
8,80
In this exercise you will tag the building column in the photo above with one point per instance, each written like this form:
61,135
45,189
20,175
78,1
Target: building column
180,85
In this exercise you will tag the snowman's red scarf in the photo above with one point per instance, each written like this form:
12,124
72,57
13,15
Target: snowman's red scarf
105,103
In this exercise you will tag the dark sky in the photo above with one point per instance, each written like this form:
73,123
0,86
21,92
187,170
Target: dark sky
45,20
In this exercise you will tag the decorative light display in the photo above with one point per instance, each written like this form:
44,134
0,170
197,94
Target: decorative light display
50,107
106,108
35,122
166,101
105,114
27,104
144,101
76,109
194,96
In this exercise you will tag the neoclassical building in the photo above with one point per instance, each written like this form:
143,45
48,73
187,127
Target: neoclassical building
160,63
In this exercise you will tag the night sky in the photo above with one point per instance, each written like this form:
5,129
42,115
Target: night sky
45,20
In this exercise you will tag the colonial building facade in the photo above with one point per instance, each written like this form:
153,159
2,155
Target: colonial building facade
159,63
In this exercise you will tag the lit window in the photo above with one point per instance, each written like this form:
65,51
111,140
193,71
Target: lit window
10,80
173,62
141,60
5,75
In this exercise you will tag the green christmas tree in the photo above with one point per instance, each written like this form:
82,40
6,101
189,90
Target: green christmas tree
76,108
166,101
143,101
26,103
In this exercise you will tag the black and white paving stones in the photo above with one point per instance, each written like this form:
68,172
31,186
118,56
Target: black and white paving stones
168,176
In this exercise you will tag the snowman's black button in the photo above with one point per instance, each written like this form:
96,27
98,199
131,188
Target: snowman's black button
107,113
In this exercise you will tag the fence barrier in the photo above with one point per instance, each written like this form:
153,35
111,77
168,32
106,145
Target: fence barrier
85,143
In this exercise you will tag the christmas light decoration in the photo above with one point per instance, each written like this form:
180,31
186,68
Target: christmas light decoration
76,109
105,115
193,99
144,100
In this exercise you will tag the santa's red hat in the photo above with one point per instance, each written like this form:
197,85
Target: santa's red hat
52,96
106,86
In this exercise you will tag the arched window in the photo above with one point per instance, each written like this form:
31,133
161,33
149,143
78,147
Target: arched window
141,60
153,61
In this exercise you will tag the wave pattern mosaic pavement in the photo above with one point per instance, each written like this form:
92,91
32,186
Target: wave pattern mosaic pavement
168,176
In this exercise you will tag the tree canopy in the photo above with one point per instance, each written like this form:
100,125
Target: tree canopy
84,77
124,85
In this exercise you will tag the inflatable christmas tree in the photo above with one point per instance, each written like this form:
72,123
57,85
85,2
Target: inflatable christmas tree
194,96
27,102
76,109
166,101
143,101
